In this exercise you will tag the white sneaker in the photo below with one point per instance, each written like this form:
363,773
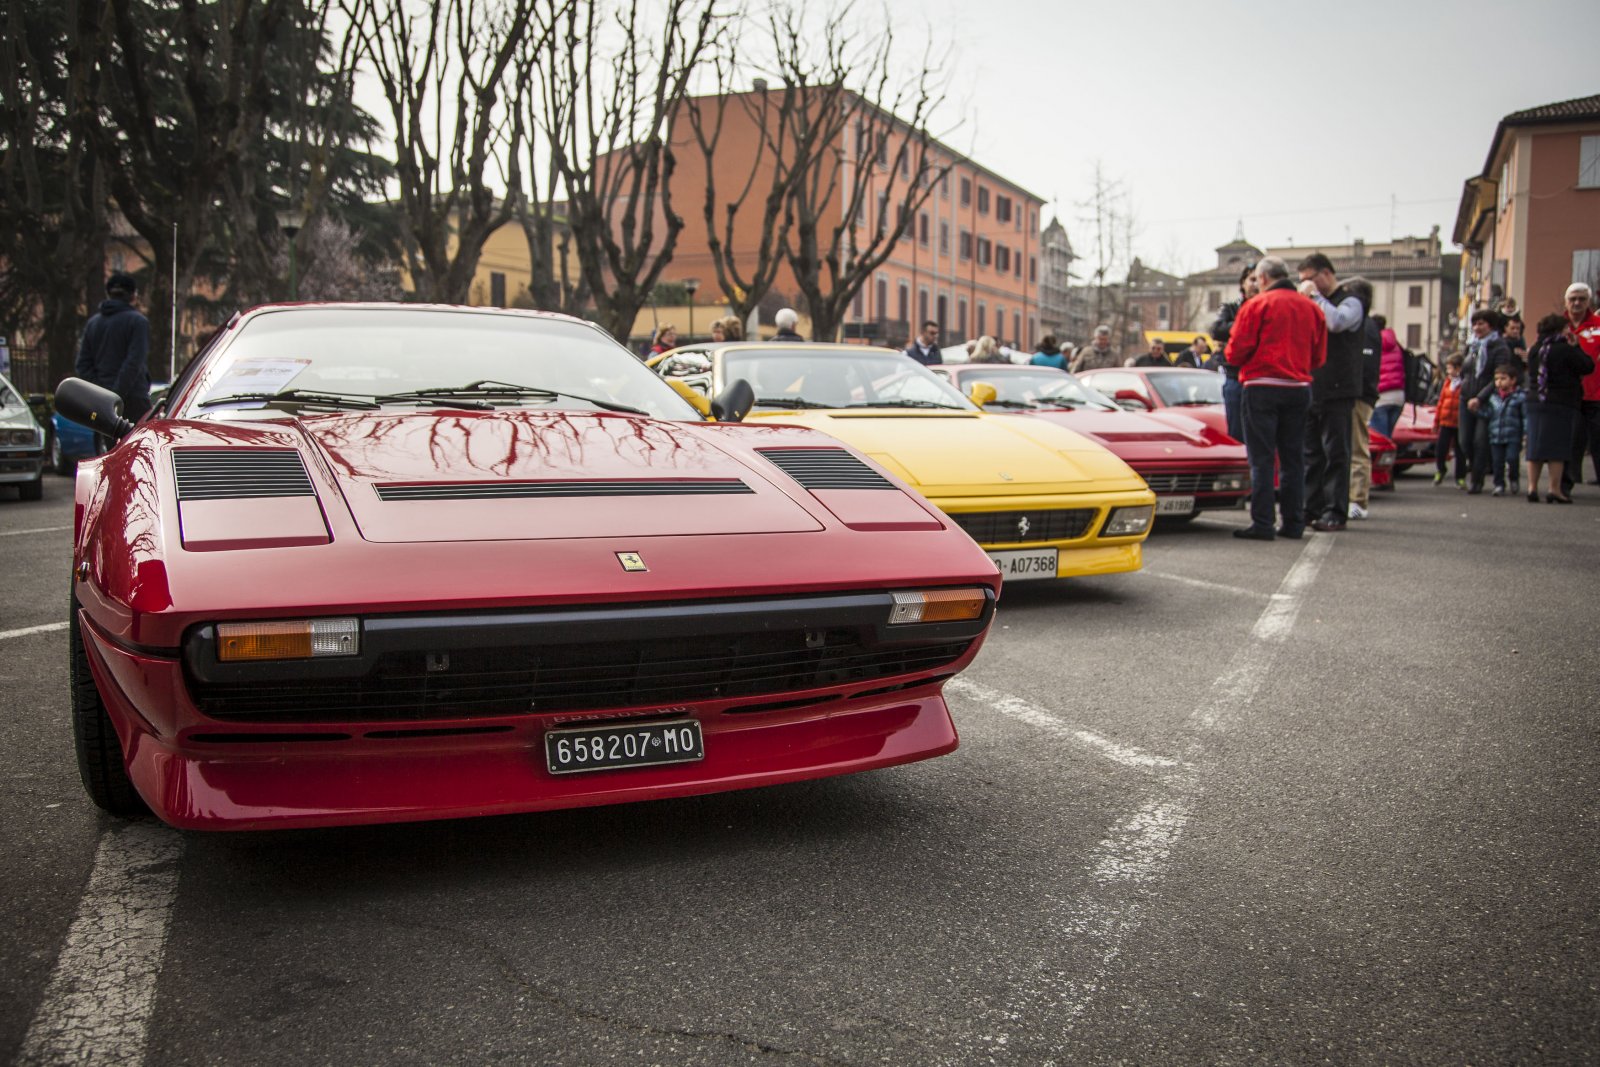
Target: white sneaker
1357,511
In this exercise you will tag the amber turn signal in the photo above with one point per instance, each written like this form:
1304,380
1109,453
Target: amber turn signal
292,639
937,605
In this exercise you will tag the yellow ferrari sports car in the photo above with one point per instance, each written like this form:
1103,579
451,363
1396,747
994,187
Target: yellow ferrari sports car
1043,501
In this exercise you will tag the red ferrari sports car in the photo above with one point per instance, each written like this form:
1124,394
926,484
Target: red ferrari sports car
377,563
1198,395
1189,465
1416,436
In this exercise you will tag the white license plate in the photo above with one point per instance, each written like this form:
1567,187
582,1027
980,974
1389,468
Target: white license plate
1174,505
1022,565
639,744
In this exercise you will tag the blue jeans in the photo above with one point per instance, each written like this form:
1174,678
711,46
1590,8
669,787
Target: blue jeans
1507,459
1275,432
1384,419
1233,407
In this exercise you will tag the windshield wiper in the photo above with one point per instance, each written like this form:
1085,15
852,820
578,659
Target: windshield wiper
489,388
1061,402
434,401
998,403
789,402
297,396
906,404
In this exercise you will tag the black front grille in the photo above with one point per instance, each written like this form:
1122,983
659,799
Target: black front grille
234,473
1020,527
520,490
1180,483
825,468
618,674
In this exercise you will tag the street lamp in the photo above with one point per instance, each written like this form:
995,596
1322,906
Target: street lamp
291,223
690,285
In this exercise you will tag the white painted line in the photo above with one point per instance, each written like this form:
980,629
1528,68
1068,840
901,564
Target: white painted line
1033,715
36,529
42,628
97,1006
1137,851
1201,583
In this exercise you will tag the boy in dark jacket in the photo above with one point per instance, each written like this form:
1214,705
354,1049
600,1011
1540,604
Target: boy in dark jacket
1502,406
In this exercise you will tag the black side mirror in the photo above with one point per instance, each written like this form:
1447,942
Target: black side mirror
734,402
88,404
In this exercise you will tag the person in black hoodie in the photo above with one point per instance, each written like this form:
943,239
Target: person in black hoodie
1221,330
1335,386
115,349
1486,351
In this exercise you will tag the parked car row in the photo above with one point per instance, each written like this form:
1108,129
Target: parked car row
22,442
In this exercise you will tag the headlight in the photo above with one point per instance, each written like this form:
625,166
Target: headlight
1231,481
296,639
22,437
1126,521
1385,459
937,605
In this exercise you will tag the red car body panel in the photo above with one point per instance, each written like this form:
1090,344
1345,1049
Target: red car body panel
1416,435
1169,448
154,572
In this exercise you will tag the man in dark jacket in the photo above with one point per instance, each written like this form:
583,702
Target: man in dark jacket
1277,342
115,348
1334,389
785,320
925,348
1232,392
1486,351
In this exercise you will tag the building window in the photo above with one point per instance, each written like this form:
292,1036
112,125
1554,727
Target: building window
961,307
1002,258
1503,193
1033,268
1414,297
1000,323
983,200
922,306
985,251
966,245
983,318
1414,336
883,212
497,289
966,192
922,229
944,238
881,141
1214,300
858,306
1016,264
881,308
944,185
1016,328
943,304
904,305
1161,315
1002,208
1589,163
1586,267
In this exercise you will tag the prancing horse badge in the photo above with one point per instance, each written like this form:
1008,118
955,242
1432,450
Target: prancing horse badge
631,561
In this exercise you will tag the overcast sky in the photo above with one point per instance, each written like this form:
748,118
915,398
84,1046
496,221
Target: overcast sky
1303,119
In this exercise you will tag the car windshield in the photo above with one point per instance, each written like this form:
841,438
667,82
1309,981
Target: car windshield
1187,389
9,400
358,358
1042,388
792,376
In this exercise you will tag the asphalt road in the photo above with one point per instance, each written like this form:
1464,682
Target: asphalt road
1319,801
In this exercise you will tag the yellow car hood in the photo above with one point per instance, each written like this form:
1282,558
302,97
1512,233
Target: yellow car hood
973,454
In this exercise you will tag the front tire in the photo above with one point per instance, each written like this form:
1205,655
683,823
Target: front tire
33,490
58,460
100,760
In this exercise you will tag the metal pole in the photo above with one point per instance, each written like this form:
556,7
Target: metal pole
294,276
172,356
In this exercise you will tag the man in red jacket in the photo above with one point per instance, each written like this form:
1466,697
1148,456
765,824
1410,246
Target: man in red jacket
1277,340
1584,326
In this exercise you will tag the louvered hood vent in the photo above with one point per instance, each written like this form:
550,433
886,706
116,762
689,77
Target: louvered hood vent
524,490
236,473
825,468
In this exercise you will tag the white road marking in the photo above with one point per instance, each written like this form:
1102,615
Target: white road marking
36,529
1033,715
1136,852
42,628
1201,583
97,1006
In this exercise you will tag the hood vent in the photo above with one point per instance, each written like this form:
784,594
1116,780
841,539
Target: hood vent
825,468
236,473
539,490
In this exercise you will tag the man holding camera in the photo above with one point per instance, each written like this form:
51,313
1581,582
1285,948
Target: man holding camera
1335,387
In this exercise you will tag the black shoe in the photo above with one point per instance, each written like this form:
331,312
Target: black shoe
1533,496
1328,525
1551,498
1474,490
1254,533
1291,535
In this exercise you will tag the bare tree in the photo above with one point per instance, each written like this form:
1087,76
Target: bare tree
872,156
1111,224
442,67
608,84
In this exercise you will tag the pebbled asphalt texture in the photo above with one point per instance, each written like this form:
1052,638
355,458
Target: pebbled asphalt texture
1374,840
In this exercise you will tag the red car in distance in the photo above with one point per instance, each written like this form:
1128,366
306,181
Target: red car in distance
1416,436
1198,395
1189,465
375,563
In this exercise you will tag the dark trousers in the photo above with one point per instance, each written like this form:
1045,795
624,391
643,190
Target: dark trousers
1586,441
1446,441
1275,433
1328,460
1473,438
1507,460
1233,407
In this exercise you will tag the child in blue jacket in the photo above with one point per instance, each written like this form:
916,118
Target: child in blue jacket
1503,401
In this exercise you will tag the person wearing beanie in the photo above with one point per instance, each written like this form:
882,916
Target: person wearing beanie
115,349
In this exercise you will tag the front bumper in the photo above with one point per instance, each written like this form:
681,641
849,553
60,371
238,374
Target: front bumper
995,523
20,464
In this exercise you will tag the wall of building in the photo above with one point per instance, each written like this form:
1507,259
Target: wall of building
1560,218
